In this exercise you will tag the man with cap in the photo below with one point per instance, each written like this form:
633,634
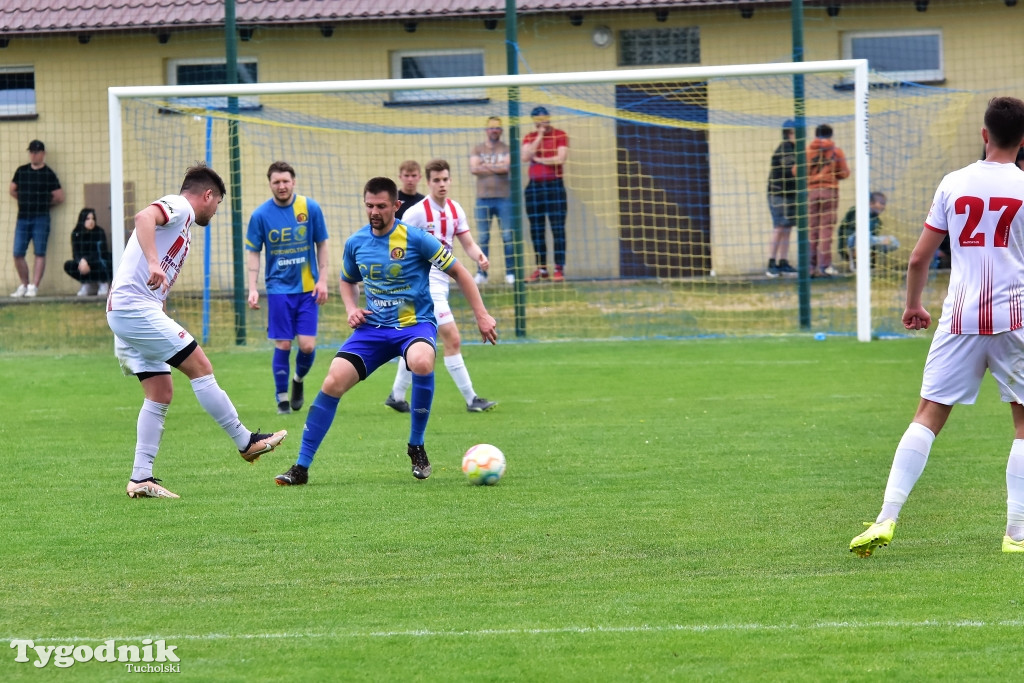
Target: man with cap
36,188
545,150
782,201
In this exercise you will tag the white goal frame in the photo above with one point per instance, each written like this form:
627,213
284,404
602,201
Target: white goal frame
857,68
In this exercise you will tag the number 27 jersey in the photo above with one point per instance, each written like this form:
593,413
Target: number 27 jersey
980,206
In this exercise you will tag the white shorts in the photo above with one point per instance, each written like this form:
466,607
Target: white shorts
956,365
440,284
145,339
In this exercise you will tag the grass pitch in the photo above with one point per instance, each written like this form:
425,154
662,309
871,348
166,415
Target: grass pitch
671,510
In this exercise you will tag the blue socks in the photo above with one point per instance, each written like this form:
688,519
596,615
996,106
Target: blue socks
303,362
324,408
422,398
318,421
280,365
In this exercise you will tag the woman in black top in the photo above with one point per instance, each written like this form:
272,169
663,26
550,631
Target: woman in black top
90,261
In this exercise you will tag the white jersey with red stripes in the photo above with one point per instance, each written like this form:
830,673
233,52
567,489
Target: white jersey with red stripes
443,222
129,289
980,207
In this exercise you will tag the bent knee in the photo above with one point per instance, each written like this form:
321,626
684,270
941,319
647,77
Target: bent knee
419,357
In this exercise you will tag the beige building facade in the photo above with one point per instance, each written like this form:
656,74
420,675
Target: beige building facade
72,70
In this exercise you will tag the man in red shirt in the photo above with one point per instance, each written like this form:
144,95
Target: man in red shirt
545,150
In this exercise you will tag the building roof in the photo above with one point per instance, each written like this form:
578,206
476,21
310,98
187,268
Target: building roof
64,16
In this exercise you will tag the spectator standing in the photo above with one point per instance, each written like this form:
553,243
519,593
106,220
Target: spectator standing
36,188
546,149
489,162
826,166
91,261
782,201
409,175
293,229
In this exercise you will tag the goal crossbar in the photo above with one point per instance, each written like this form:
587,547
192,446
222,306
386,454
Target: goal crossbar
857,68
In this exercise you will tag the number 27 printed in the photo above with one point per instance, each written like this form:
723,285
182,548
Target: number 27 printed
974,207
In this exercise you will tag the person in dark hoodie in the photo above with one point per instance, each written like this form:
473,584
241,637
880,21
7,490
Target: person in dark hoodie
782,201
826,166
90,261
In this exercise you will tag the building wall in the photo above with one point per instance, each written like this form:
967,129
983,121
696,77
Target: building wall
71,82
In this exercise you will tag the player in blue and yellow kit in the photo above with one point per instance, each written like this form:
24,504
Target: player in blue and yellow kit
293,229
393,263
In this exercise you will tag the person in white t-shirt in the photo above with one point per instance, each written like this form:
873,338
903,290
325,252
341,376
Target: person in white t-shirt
982,322
148,343
445,219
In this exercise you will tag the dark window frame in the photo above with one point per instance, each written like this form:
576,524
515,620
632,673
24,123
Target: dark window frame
403,65
900,40
248,72
18,103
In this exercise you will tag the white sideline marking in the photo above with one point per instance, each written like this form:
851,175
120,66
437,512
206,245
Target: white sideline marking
430,633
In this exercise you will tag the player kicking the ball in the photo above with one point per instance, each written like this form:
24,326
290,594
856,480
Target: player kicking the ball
148,343
982,323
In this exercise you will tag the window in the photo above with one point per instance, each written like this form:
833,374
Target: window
898,55
17,92
649,47
437,64
210,72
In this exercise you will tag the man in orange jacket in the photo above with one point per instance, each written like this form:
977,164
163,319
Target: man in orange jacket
826,166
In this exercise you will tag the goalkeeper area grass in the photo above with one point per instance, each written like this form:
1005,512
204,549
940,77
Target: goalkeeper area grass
671,510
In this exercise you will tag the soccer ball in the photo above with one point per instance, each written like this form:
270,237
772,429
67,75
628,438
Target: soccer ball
483,464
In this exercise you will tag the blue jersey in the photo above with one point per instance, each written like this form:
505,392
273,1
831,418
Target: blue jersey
290,234
395,272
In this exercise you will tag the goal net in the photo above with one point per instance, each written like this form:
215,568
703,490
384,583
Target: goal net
667,230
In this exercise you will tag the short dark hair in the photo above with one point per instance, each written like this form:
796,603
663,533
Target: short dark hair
1004,121
876,197
381,184
280,167
436,166
823,131
200,178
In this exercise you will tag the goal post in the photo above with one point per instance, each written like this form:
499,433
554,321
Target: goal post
668,222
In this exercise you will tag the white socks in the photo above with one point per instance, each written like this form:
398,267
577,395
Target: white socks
149,430
215,401
403,380
907,466
1015,491
150,426
457,369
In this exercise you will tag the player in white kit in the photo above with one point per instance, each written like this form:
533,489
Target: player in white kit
445,219
148,343
982,322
